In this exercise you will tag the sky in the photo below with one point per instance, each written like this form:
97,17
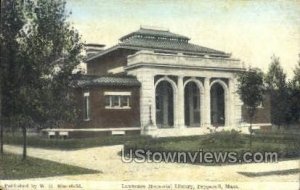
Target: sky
253,31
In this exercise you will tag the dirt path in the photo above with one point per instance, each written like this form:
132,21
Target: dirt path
111,167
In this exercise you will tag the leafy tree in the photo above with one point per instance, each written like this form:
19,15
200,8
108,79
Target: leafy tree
277,86
275,78
251,90
294,96
296,78
11,23
48,52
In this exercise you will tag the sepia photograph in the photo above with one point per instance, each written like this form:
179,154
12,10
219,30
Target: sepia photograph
150,95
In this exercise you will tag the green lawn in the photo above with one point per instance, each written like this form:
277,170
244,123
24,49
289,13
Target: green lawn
218,141
286,145
68,144
12,167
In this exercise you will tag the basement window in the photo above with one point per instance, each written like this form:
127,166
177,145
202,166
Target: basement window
117,100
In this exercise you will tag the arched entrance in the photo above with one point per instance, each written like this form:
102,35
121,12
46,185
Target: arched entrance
217,94
164,98
192,105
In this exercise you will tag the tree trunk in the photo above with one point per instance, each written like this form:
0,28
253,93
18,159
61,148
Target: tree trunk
1,127
24,142
1,139
250,130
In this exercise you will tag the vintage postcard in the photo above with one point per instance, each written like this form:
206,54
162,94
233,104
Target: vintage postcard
150,95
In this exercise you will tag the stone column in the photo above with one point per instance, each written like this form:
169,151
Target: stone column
236,104
229,104
202,109
206,119
180,103
147,98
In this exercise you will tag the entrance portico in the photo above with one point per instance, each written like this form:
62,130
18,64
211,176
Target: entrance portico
183,99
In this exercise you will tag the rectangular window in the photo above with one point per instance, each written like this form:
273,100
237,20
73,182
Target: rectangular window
86,106
117,100
107,101
124,101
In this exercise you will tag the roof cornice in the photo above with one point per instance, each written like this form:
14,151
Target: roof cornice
120,46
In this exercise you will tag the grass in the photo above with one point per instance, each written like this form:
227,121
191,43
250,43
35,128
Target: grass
286,145
12,167
68,144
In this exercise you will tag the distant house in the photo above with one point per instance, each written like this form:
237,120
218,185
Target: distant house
155,82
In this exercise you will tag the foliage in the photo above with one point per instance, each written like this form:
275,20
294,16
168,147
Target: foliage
293,103
228,139
50,50
286,145
41,52
296,79
294,95
278,88
12,21
275,78
251,90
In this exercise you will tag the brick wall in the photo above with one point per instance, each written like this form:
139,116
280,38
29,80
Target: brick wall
100,117
101,65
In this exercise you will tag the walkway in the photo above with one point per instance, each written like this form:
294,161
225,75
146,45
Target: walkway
111,167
